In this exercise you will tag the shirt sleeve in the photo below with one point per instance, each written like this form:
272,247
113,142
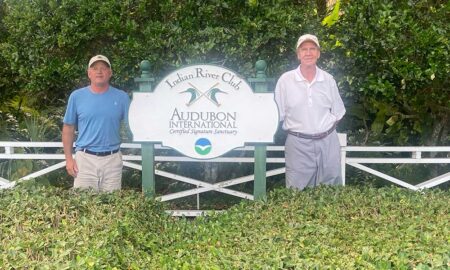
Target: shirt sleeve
126,109
337,107
279,99
70,117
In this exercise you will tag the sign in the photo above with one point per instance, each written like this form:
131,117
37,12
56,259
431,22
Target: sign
203,111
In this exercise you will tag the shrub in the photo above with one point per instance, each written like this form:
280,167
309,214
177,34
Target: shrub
322,228
391,59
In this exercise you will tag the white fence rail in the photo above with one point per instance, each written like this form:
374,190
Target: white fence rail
416,155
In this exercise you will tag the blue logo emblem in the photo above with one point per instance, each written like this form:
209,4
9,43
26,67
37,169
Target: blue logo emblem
203,146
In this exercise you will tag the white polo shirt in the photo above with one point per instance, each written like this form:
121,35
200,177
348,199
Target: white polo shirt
306,107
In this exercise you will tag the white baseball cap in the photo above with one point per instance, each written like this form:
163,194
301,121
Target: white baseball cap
307,37
99,57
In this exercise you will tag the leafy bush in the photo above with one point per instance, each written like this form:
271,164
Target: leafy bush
58,229
322,228
391,59
50,42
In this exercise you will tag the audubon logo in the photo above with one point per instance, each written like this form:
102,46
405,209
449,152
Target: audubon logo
196,94
203,146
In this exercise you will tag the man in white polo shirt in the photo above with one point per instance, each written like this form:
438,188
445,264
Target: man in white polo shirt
96,111
310,107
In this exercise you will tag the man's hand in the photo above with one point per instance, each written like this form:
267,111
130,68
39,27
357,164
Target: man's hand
67,140
71,167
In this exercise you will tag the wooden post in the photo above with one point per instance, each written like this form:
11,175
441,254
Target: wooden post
147,149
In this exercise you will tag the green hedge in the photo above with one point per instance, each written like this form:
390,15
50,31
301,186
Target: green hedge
323,228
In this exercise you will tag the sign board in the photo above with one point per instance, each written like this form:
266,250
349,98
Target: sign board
203,111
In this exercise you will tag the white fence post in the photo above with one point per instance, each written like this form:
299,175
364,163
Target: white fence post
343,143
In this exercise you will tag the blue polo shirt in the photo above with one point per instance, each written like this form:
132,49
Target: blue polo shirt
97,117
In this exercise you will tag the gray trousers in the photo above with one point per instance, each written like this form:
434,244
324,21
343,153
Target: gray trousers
310,163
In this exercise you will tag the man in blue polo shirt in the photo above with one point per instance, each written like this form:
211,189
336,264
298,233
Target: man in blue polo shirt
96,111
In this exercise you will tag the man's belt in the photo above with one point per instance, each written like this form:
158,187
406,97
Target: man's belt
100,154
316,136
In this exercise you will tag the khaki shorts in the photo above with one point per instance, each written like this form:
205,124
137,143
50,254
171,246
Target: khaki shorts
101,173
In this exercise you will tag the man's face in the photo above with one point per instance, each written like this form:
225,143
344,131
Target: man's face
99,73
308,53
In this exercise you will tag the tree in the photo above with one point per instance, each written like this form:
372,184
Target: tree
393,64
390,59
6,76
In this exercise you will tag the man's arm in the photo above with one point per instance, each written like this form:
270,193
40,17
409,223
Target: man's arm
280,100
68,134
337,106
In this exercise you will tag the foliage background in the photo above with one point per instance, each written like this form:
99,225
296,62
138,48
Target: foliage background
390,58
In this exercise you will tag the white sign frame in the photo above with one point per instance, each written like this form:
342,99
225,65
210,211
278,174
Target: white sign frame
203,111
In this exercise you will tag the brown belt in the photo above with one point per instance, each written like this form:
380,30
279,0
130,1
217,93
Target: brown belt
316,136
